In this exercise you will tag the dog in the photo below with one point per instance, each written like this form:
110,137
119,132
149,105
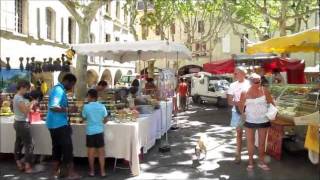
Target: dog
201,146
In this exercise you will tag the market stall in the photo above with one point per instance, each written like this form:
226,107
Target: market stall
292,69
298,104
132,126
123,139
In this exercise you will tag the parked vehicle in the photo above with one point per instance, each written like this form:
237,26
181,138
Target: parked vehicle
207,88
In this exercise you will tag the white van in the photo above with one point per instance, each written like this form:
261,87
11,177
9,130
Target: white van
209,88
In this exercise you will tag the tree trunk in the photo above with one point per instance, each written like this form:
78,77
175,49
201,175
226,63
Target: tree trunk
81,63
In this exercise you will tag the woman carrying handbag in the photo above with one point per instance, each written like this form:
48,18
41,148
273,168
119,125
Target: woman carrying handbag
254,107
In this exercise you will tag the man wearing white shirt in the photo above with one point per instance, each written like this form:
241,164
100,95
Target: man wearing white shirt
234,93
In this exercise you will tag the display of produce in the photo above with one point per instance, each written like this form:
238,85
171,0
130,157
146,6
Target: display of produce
295,101
5,109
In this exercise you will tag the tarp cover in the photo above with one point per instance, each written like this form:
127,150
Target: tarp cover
294,69
305,41
132,51
220,67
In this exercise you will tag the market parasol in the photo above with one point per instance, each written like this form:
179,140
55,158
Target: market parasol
143,50
305,41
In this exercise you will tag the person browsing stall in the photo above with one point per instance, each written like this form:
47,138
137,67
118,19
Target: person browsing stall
254,106
59,127
183,94
95,114
136,84
21,109
150,88
101,86
233,94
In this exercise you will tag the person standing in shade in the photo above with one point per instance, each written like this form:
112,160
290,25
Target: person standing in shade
59,127
150,88
21,109
183,94
233,94
256,101
136,85
101,86
277,78
96,116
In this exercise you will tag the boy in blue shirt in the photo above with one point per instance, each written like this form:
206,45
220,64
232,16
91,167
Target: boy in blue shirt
96,115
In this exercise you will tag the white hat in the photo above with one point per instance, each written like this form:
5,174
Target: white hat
254,76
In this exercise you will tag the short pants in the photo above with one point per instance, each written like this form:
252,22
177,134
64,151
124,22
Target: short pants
257,125
95,140
236,120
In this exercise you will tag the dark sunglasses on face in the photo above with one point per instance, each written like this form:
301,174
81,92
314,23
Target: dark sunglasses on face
256,82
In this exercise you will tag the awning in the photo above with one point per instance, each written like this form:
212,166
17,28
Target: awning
220,67
305,41
132,51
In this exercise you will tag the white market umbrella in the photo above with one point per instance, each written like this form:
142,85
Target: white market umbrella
135,51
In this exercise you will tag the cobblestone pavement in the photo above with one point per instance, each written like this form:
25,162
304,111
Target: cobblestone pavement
180,162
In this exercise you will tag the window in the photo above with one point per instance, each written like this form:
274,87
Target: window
125,17
197,46
38,23
157,30
62,29
19,11
108,7
71,31
140,5
173,28
243,42
117,39
200,26
92,38
108,38
50,16
118,9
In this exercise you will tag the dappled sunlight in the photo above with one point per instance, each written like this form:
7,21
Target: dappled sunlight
8,175
181,117
186,112
196,123
211,109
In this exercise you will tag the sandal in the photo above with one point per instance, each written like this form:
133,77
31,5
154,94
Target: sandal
249,167
74,177
91,174
237,159
29,170
20,166
264,167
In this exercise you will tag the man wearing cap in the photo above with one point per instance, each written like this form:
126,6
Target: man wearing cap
233,94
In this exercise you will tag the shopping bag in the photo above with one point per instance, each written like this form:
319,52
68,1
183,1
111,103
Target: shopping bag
34,117
312,139
272,112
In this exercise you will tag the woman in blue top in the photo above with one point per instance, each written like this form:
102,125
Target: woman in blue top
96,115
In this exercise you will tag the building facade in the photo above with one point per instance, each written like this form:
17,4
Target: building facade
44,29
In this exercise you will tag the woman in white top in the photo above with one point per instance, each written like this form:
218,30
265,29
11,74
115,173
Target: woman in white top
254,106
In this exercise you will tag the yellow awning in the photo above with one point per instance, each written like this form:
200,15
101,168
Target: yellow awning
305,41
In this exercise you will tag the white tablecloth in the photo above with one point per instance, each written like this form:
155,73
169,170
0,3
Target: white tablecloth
123,140
166,116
